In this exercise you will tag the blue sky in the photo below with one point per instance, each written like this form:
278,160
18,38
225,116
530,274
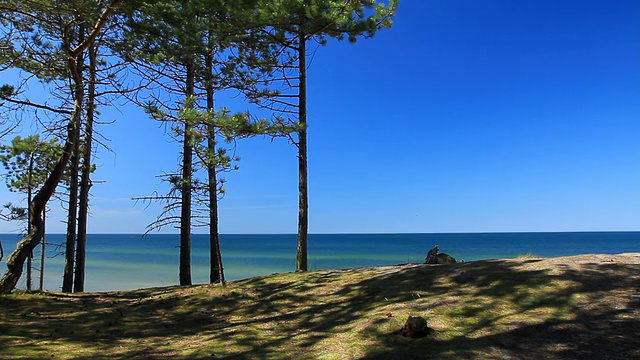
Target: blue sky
465,116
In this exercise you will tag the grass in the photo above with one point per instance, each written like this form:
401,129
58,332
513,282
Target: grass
527,308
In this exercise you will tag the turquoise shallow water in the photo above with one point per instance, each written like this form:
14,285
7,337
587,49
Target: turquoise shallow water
126,261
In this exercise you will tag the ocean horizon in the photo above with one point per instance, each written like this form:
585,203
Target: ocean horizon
131,261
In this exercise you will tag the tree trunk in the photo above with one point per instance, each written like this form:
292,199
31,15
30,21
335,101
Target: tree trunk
29,273
85,182
72,216
303,200
29,199
216,273
43,249
187,165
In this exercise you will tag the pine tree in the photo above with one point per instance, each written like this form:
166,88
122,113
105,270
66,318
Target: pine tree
291,24
202,46
28,163
36,14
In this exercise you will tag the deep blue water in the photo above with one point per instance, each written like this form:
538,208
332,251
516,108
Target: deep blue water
121,262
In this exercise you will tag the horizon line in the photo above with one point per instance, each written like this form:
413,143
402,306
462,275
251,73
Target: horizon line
369,233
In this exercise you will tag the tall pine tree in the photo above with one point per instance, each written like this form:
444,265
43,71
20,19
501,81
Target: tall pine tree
291,24
194,50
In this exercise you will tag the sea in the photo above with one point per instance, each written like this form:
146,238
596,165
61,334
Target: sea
129,261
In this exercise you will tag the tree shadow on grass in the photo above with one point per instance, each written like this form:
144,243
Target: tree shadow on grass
485,309
298,315
558,313
93,323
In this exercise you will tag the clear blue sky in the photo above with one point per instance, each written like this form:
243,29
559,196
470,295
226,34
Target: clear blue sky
465,116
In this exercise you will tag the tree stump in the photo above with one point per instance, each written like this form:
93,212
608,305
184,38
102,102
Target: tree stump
415,327
434,258
443,258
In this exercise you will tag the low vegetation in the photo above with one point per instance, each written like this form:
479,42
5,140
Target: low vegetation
527,308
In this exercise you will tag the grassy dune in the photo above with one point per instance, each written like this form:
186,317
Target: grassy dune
582,307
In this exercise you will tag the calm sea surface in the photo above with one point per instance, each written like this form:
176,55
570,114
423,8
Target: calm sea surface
122,262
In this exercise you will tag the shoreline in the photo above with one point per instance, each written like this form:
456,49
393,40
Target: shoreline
628,257
122,262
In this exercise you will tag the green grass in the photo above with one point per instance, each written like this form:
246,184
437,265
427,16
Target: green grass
530,308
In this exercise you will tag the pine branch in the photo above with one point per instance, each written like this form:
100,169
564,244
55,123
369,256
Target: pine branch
35,105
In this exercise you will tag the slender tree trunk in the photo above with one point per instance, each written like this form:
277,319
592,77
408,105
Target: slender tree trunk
69,261
29,272
29,199
29,275
303,200
216,273
67,285
43,249
85,182
187,166
72,218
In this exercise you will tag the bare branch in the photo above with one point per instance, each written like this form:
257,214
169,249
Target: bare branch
39,106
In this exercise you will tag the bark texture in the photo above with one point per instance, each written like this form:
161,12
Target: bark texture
187,166
303,197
